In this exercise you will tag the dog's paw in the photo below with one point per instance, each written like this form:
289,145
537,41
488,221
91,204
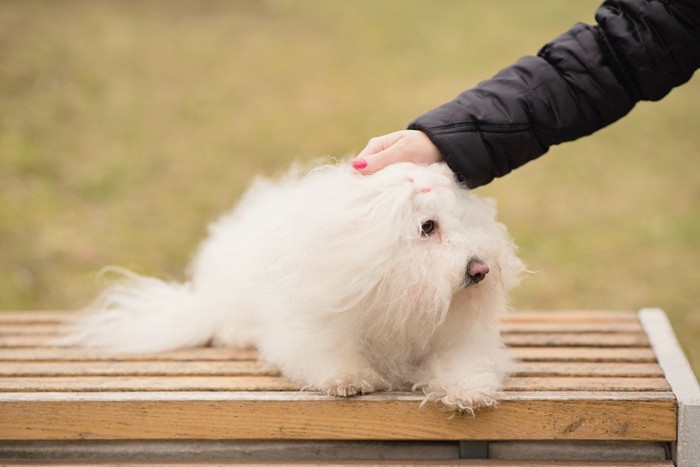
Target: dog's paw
354,383
459,398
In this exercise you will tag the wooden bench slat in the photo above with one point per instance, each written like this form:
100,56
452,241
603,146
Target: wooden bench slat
136,368
507,327
587,369
378,463
147,383
32,329
87,355
310,396
38,316
514,327
272,383
308,416
589,383
522,316
571,316
590,339
26,341
579,354
534,354
238,368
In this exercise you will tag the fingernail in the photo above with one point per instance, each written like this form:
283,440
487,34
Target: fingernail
359,163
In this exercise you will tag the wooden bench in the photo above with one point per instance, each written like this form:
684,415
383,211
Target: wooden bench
591,388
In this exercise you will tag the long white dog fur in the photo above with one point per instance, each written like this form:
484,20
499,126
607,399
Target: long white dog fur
348,283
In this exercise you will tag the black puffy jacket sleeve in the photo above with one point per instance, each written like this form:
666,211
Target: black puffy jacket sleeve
583,80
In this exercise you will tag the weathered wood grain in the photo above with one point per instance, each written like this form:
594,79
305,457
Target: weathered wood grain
308,416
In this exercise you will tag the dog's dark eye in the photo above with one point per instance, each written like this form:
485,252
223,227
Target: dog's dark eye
427,228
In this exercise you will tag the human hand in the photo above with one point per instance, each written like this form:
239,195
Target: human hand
399,146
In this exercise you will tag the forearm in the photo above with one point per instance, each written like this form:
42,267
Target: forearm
582,81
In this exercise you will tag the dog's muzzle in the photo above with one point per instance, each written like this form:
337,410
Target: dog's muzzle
476,271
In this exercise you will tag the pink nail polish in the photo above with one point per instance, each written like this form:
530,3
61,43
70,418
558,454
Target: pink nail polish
359,163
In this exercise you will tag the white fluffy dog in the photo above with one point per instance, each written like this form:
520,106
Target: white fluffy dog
348,283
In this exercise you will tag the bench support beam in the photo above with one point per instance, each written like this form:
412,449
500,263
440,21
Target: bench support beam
683,383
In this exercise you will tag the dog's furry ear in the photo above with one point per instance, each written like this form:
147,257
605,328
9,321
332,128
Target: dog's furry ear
512,267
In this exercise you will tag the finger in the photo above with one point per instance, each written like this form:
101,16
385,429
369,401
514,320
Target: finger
380,143
374,145
374,162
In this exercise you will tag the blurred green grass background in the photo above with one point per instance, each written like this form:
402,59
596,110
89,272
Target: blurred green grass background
125,127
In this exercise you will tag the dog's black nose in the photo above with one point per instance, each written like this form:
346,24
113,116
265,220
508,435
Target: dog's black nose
476,271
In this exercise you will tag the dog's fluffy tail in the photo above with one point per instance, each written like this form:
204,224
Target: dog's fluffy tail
141,314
